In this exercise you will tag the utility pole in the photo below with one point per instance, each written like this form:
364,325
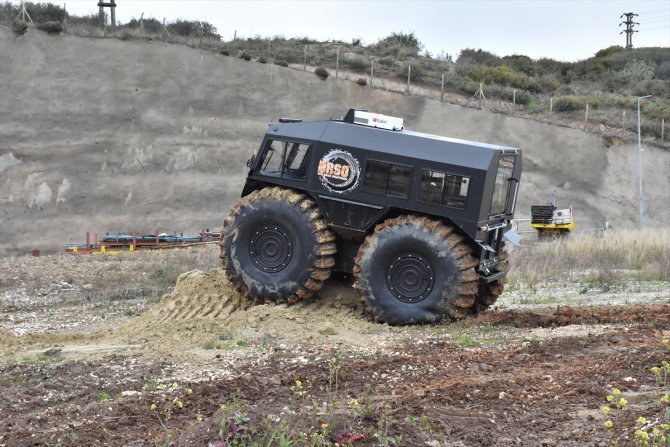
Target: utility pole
629,27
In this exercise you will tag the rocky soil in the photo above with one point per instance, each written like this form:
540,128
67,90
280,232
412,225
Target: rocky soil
91,356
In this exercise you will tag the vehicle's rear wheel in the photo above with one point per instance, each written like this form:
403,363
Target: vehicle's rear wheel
416,270
489,292
276,247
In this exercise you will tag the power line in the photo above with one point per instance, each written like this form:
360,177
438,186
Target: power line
629,27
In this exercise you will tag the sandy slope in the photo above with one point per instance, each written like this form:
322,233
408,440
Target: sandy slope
106,135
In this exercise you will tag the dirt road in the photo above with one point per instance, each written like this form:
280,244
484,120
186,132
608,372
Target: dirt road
202,367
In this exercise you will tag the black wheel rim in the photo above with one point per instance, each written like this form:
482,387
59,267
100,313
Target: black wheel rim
271,248
410,278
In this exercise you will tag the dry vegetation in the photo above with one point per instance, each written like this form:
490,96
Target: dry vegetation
607,260
608,82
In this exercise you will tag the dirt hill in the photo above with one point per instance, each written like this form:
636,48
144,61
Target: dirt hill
109,135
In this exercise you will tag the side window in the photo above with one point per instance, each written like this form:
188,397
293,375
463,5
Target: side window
399,181
274,158
295,165
444,189
285,159
432,185
387,179
376,176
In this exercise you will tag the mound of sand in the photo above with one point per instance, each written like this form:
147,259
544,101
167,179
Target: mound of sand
206,307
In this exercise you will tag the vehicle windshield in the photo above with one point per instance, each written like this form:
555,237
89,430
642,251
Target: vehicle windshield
500,191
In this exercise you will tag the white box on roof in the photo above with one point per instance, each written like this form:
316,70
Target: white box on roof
377,120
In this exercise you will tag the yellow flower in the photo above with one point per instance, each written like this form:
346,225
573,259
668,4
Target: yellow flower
298,384
199,419
666,398
189,391
174,385
622,403
353,402
161,386
607,410
153,406
608,424
610,398
616,391
665,341
180,404
642,420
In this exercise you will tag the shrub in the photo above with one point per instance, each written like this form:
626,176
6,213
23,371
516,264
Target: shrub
478,57
639,70
193,28
224,52
245,56
322,73
408,41
362,81
569,103
282,63
51,27
262,60
356,63
20,27
609,50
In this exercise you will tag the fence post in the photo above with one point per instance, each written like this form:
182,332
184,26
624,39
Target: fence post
623,120
142,23
65,18
305,64
662,129
586,116
409,75
372,71
337,62
442,89
551,105
514,98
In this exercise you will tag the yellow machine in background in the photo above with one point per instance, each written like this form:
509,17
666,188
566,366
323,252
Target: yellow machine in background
549,221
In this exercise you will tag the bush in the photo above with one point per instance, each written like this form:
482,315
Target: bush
188,28
609,50
262,60
51,27
322,73
245,56
224,52
362,81
20,27
408,41
478,57
639,69
282,63
569,103
356,63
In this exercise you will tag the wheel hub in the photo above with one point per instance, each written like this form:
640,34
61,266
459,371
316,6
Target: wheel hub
410,278
271,249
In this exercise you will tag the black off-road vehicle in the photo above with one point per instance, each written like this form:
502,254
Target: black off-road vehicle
417,219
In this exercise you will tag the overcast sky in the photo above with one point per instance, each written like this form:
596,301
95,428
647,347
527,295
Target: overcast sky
567,30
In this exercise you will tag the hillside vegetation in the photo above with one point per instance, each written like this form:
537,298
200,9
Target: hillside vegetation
608,82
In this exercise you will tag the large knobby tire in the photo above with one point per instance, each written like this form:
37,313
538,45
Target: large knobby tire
488,293
416,270
276,247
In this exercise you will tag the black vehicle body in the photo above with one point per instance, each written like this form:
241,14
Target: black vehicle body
471,186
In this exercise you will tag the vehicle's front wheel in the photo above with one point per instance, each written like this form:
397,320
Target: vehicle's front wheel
276,246
416,270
